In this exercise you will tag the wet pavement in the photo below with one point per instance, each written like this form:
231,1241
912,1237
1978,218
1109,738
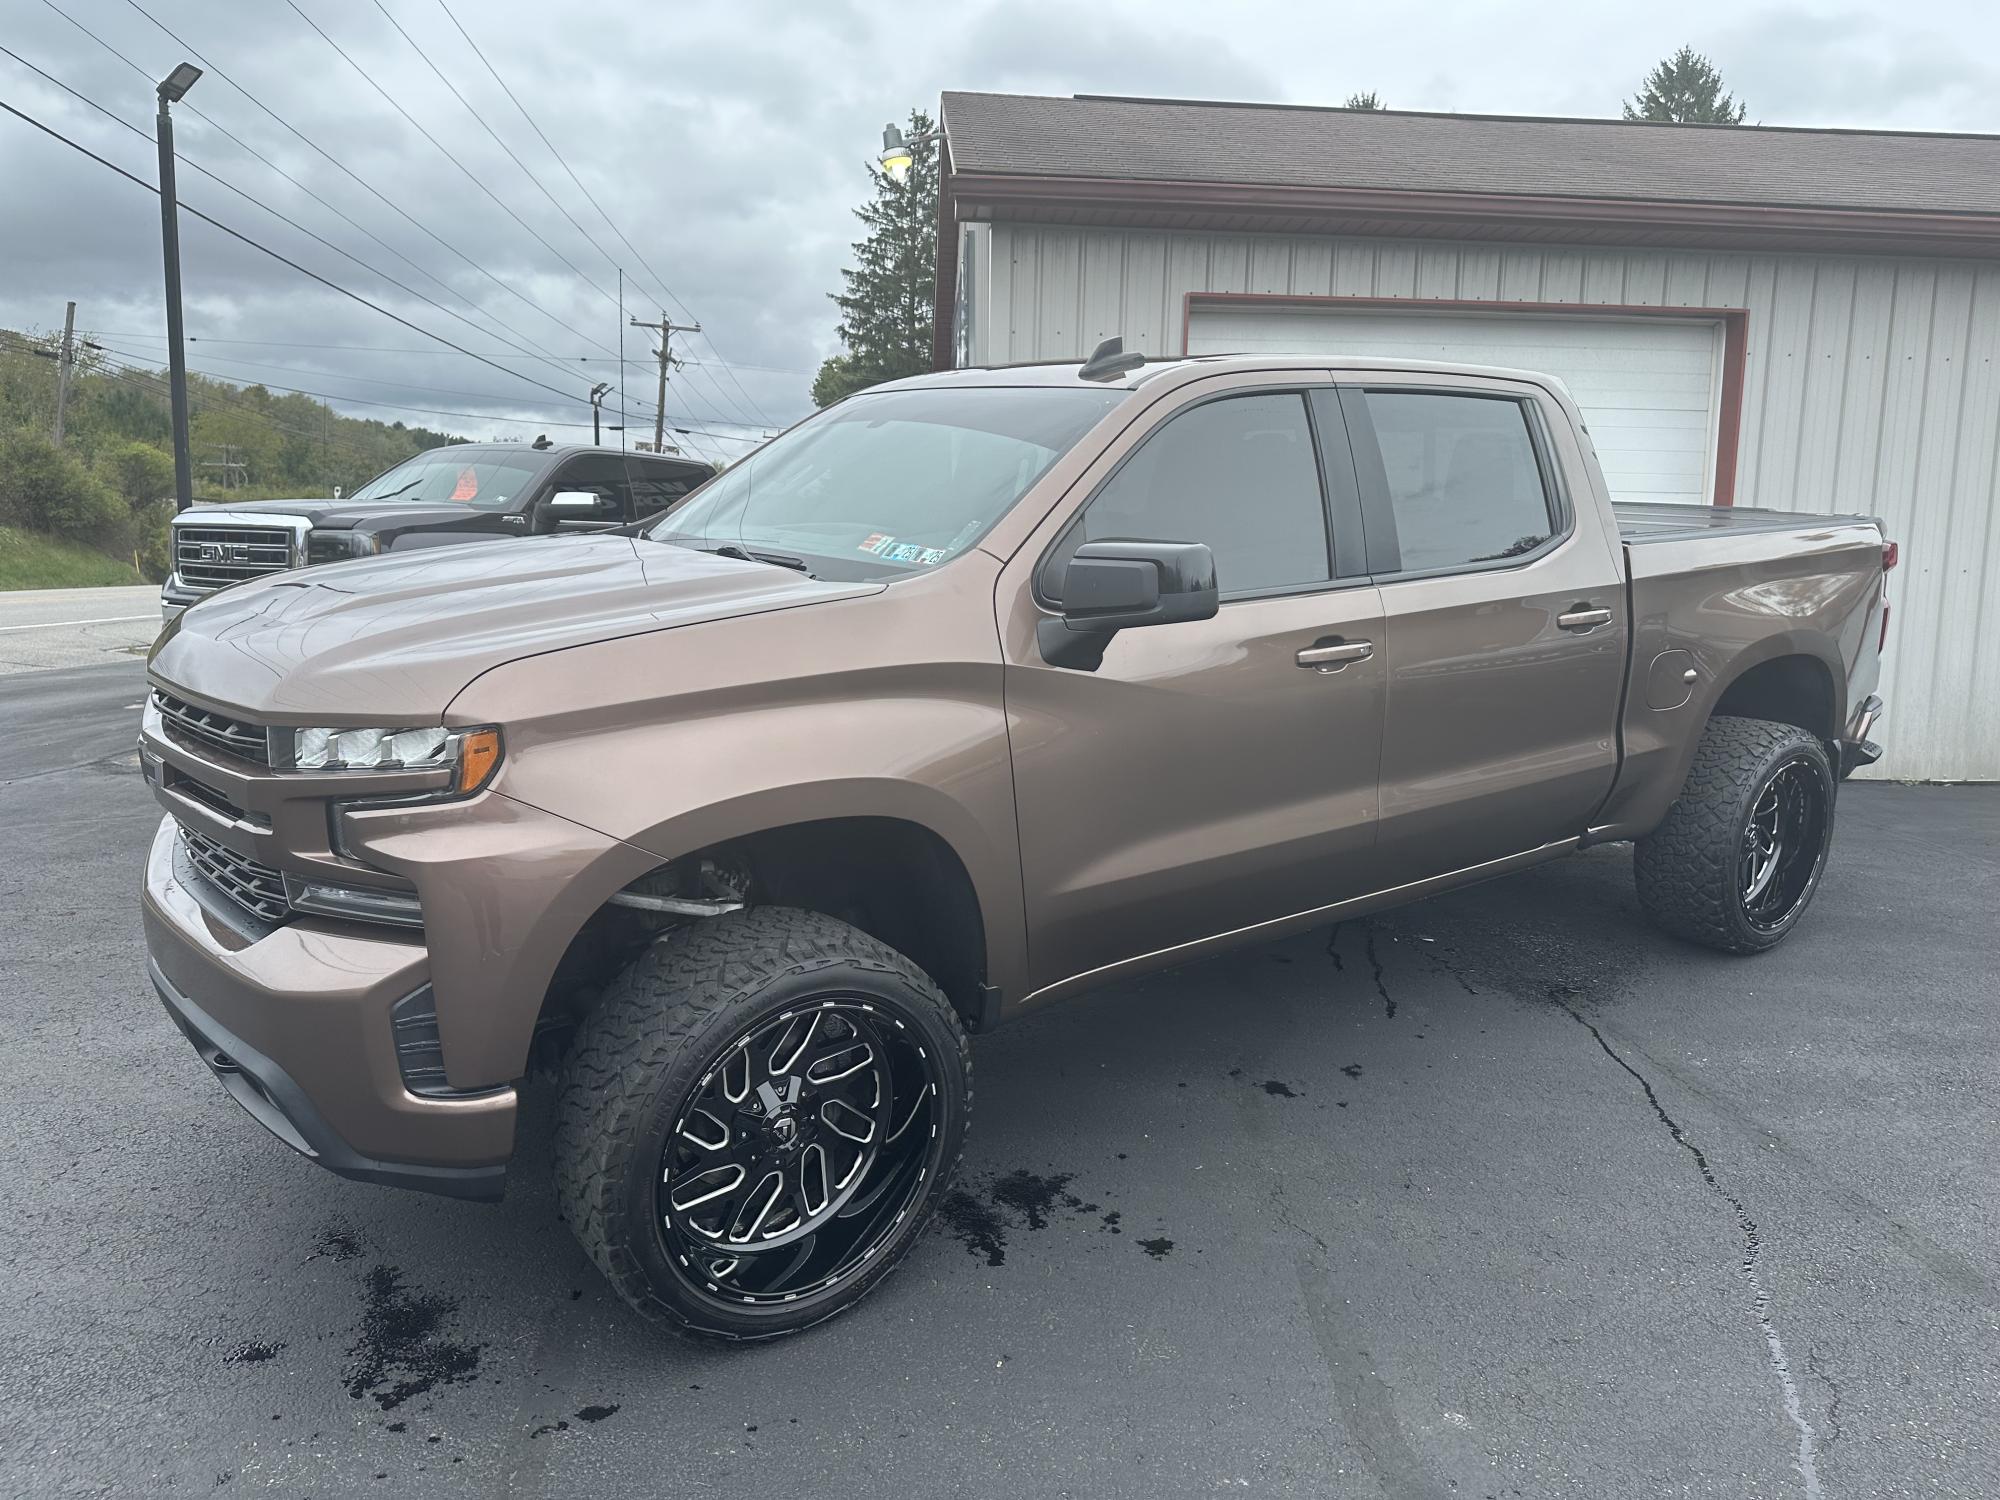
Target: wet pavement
1499,1195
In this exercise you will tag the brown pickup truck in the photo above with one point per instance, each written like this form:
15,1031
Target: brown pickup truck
966,694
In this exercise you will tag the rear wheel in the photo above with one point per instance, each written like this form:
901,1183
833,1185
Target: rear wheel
1739,856
758,1120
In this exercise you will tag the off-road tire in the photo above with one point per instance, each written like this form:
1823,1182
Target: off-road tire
1688,869
654,1034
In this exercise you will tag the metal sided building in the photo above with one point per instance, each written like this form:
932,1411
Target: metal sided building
1800,319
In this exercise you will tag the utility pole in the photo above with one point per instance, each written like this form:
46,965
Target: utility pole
666,330
65,362
230,464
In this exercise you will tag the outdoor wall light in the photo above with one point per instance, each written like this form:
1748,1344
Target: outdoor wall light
899,154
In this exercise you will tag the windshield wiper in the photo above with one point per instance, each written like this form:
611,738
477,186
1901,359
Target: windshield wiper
744,554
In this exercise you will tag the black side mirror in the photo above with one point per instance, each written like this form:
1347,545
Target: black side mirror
578,510
1114,586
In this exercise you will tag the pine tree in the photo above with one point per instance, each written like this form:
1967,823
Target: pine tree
1369,100
1685,90
886,310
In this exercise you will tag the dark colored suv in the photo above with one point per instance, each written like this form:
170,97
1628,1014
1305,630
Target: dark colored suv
469,492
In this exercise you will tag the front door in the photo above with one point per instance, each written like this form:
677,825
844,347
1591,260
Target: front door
1504,623
1211,775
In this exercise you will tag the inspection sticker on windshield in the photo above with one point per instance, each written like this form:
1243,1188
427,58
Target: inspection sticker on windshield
881,544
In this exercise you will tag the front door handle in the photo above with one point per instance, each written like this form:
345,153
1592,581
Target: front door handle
1336,655
1584,617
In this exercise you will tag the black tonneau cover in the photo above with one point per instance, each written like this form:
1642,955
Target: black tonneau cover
1647,521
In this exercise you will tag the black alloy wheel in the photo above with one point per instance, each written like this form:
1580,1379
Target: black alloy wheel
797,1153
1784,841
757,1120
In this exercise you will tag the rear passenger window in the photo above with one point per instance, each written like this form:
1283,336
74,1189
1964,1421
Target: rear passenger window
1238,474
1464,482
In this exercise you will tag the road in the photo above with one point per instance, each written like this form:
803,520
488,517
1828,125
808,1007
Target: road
1502,1195
41,629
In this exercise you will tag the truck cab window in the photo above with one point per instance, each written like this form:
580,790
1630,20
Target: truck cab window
1464,482
1239,475
656,486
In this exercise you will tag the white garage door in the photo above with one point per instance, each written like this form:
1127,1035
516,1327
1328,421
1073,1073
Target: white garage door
1647,386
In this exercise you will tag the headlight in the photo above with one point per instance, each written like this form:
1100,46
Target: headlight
471,753
337,546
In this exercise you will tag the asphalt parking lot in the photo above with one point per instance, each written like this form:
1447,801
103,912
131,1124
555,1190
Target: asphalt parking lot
1499,1195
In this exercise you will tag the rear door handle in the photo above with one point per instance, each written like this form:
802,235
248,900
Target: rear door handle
1584,617
1334,656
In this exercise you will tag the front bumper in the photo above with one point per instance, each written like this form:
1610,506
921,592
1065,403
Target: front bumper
294,1022
176,596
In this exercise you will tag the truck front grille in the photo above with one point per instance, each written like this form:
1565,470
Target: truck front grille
257,888
207,730
212,557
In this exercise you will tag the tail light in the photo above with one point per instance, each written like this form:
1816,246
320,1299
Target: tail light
1890,552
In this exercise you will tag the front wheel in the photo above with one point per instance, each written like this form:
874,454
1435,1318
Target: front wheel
1739,855
758,1120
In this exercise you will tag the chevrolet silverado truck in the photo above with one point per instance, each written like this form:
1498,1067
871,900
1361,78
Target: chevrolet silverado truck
969,693
469,492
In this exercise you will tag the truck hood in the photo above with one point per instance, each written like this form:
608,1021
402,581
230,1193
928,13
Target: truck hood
335,515
393,640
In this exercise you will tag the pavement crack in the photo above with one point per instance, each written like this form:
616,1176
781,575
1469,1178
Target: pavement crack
1816,1363
1375,963
1753,1249
1333,949
1281,1209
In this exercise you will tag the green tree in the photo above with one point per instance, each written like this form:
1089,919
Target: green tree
1368,100
886,309
49,489
143,477
1685,90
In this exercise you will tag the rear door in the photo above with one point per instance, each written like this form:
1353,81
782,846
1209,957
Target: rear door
1504,621
1209,775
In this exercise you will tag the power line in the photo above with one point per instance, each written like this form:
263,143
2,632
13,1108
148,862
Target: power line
342,167
472,177
257,203
473,416
524,345
281,259
460,97
591,197
526,170
582,359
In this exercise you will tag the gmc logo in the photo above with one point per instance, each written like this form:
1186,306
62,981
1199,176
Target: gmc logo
234,552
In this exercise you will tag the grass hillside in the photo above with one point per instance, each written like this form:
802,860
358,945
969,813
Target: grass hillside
31,561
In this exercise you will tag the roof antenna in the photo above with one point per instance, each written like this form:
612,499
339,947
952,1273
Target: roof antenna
1109,360
542,442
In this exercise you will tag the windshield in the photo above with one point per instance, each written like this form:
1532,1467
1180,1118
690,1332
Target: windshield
481,478
890,482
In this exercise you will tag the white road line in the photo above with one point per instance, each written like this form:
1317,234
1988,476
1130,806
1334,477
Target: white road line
52,624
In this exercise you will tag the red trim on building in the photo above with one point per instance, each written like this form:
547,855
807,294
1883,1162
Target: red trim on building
1735,322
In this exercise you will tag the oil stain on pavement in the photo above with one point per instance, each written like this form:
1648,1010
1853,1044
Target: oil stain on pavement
402,1350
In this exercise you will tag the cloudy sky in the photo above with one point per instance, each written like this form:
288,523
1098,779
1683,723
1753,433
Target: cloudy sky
727,142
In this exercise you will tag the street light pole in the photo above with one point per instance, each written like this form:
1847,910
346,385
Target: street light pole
173,88
597,395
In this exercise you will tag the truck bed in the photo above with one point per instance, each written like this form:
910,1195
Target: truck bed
1644,521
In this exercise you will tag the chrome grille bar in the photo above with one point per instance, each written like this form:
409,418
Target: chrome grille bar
212,557
208,730
257,888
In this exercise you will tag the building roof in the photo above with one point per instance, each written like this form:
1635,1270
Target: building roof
1282,146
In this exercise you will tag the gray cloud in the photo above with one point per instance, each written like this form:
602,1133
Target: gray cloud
730,141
